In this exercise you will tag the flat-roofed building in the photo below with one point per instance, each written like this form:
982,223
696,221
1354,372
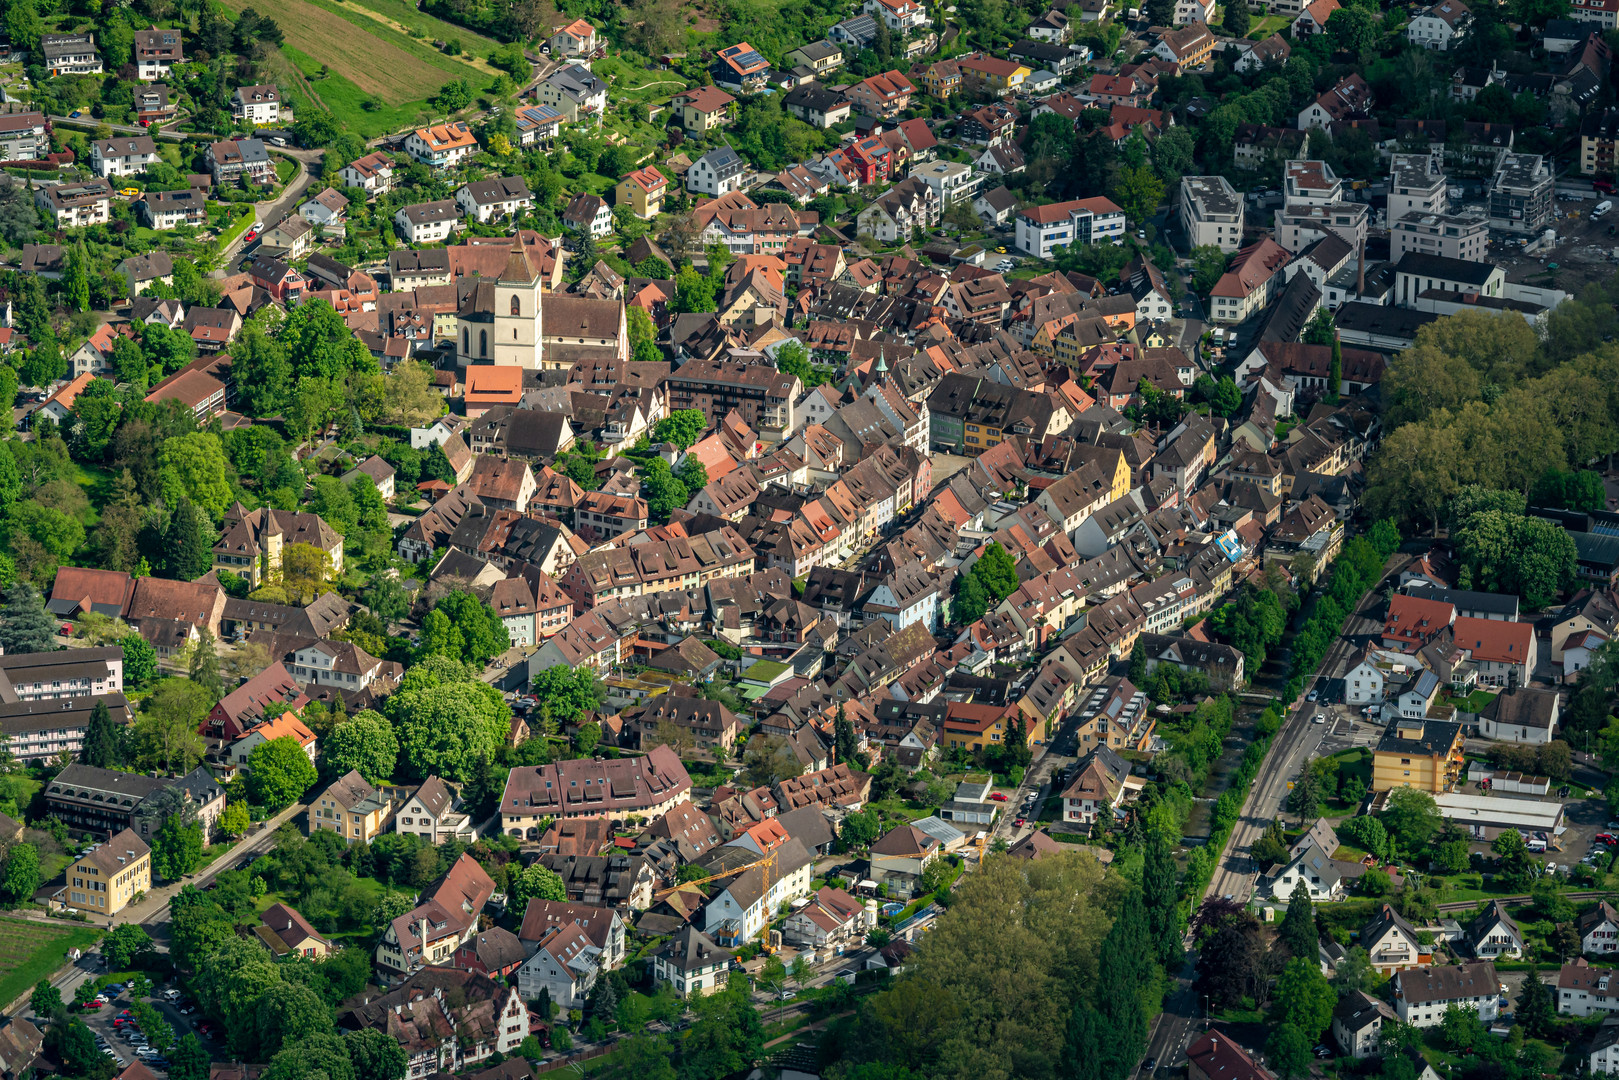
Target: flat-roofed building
1211,211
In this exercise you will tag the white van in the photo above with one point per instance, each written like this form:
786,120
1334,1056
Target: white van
1601,208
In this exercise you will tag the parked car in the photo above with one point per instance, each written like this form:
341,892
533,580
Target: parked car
1313,695
998,796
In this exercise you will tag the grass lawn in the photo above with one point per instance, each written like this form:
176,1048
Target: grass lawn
31,951
1260,29
285,169
237,227
97,483
895,808
1474,702
211,853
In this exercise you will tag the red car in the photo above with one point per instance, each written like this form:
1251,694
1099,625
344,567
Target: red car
90,1006
1019,823
1604,186
1606,838
997,797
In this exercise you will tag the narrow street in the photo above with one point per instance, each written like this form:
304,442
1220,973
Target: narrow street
1296,744
152,912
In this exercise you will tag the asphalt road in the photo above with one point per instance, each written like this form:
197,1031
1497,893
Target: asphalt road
1297,742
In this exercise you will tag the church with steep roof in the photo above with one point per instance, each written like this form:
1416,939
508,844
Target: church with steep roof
499,321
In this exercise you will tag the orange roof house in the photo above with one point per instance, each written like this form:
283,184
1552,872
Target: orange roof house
1413,621
59,404
490,385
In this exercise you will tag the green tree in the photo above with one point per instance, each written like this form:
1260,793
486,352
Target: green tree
536,883
683,427
1298,925
261,372
103,745
1412,817
176,849
1160,892
643,335
189,1059
1288,1047
76,281
1451,857
25,625
188,542
165,733
1335,372
205,666
21,877
234,820
279,772
444,729
125,946
569,693
1236,21
376,1055
365,743
693,292
46,1000
1303,997
1138,191
140,660
1536,1011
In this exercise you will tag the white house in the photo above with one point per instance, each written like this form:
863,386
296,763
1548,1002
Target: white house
1521,714
1577,650
486,200
745,905
565,963
1314,869
1603,1057
433,813
1357,1024
1419,695
1599,929
691,963
1374,673
329,208
125,155
1421,995
716,172
260,106
1493,935
427,223
374,173
1041,230
1439,27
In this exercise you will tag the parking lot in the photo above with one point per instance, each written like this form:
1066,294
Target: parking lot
124,1039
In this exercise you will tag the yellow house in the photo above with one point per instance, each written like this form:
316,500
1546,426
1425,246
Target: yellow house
1418,753
702,109
642,191
107,877
352,808
993,72
978,727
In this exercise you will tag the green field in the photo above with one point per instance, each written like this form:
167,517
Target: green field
346,102
370,58
31,951
405,14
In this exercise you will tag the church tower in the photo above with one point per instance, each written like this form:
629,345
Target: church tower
517,312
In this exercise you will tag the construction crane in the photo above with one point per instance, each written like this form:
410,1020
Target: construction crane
766,864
